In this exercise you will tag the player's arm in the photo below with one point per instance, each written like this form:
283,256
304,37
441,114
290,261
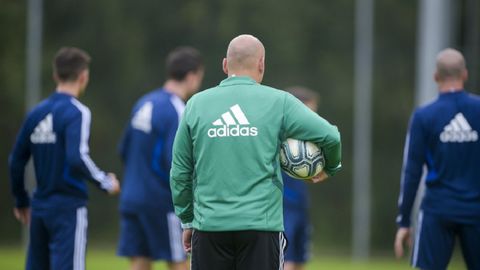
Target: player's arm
414,159
17,161
124,144
303,124
181,174
77,152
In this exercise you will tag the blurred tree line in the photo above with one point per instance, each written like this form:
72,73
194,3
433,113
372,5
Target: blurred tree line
307,42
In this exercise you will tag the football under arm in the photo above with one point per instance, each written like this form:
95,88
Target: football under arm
301,123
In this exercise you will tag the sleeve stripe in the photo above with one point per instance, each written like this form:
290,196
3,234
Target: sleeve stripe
404,166
96,173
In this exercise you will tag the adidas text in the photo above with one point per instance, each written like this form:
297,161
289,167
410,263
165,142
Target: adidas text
459,136
458,131
235,131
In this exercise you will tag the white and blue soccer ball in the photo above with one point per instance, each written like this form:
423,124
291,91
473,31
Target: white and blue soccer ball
301,159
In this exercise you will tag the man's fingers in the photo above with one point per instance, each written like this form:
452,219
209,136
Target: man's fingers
398,248
403,234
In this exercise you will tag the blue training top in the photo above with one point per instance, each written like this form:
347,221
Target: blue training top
55,133
444,136
146,150
295,195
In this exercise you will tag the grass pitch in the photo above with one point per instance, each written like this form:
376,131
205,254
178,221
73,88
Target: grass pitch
105,258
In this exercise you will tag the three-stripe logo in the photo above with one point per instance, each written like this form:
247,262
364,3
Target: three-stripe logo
458,131
233,123
43,132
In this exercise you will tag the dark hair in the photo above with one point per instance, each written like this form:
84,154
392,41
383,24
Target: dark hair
69,62
302,93
181,61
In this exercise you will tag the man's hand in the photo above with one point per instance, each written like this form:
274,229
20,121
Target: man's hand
320,177
115,184
187,240
403,235
22,215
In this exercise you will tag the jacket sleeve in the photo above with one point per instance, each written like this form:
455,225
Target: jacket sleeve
301,123
413,161
77,150
17,161
124,143
181,174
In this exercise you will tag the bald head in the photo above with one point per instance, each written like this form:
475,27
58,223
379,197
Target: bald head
245,54
450,65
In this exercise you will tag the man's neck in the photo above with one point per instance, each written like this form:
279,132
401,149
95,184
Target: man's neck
450,86
176,88
72,89
244,73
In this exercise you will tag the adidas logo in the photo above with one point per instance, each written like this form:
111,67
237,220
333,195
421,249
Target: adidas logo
143,118
458,130
43,132
232,125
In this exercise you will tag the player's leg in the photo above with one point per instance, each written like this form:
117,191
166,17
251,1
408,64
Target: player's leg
213,251
163,232
68,230
38,255
434,242
140,263
470,241
133,243
259,250
298,231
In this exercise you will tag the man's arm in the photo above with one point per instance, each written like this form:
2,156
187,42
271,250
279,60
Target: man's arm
77,151
181,174
414,159
303,124
17,161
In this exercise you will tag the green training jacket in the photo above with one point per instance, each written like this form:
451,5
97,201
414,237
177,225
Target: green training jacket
225,172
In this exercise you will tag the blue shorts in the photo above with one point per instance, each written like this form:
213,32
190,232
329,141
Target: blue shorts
155,235
58,239
435,240
298,231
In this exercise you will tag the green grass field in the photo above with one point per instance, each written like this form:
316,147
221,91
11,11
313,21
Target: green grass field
101,259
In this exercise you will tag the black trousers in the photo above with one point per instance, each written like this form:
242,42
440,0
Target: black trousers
238,250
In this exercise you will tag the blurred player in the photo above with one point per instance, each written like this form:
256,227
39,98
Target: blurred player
55,133
443,136
149,228
225,178
295,202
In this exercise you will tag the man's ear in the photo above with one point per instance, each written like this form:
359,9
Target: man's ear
261,65
465,75
225,65
436,77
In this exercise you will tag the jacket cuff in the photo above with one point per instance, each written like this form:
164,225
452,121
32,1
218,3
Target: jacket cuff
187,225
22,202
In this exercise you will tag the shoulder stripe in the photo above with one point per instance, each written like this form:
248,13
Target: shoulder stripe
178,104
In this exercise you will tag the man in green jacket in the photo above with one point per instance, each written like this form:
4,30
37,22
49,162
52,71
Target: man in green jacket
225,178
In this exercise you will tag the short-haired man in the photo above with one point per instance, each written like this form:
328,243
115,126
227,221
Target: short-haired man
296,201
225,176
443,135
149,229
55,133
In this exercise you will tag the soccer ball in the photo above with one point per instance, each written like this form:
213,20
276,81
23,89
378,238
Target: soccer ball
301,159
